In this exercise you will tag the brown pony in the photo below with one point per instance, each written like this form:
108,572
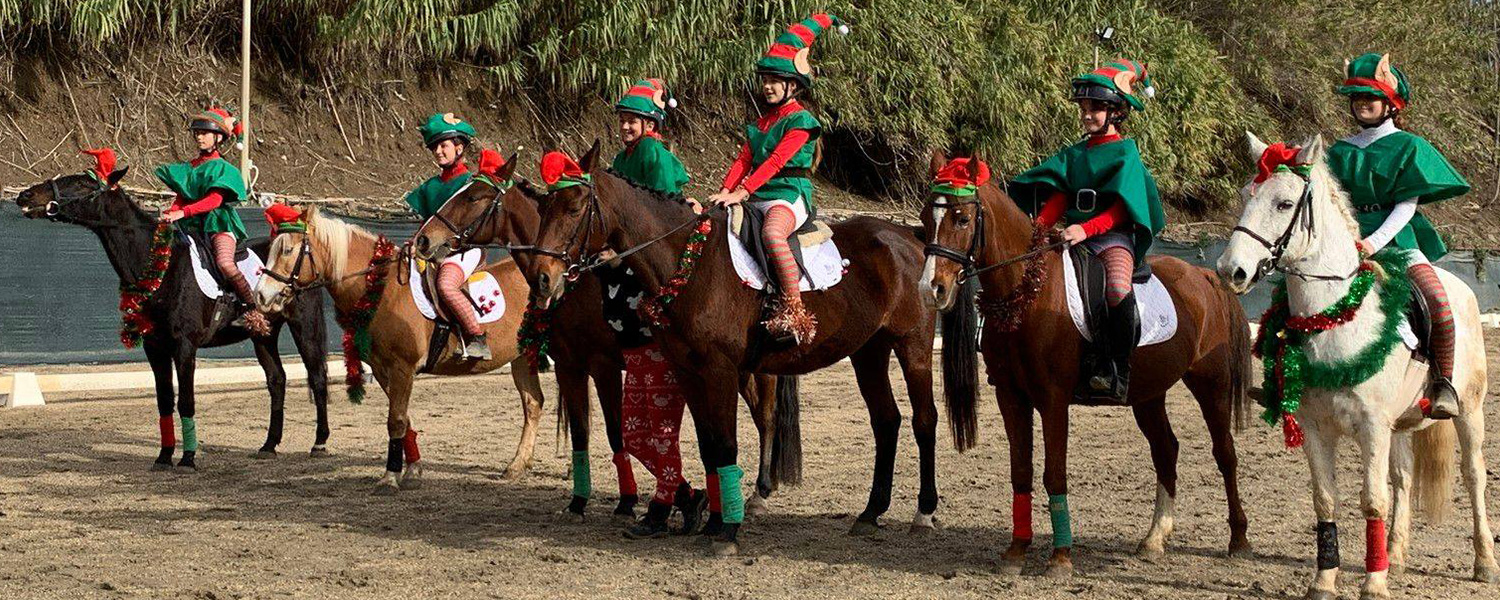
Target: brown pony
1035,366
335,254
712,332
582,345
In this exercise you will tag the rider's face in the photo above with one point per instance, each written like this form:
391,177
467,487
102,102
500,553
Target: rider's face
1368,109
632,127
447,152
775,90
206,140
1093,115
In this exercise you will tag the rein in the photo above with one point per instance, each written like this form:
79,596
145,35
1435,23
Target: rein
583,233
1008,310
54,206
461,236
1302,216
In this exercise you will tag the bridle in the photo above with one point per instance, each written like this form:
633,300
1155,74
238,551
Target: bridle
968,260
291,285
1302,218
461,235
55,206
583,233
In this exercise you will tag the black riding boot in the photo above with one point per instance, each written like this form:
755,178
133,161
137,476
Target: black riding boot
1444,400
653,525
694,506
1110,383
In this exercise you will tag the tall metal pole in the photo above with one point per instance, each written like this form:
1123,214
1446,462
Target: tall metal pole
245,89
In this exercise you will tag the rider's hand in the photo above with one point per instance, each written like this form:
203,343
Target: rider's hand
724,198
171,216
695,205
1365,247
1074,234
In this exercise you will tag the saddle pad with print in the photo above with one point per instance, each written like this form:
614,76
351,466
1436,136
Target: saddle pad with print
481,287
822,264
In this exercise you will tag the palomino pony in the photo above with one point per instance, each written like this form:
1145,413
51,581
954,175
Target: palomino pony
1314,233
349,261
710,326
1033,359
184,318
583,345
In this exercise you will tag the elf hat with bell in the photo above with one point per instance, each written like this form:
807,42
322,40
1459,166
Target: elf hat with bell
1374,74
788,56
647,98
1121,81
217,120
445,126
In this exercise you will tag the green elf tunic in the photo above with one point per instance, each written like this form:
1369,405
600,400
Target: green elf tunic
194,183
1115,173
1395,167
427,198
762,144
651,165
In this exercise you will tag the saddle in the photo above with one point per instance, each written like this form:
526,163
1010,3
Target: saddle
1089,269
214,284
747,225
481,290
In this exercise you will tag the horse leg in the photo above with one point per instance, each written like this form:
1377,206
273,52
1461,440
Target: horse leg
530,386
397,386
1151,418
1471,453
1215,401
270,362
1321,448
186,361
759,392
161,369
1055,479
1375,500
916,368
311,340
712,399
871,370
573,395
1402,462
1018,417
609,383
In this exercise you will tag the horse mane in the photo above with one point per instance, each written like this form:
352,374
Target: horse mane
335,235
678,197
526,187
1329,190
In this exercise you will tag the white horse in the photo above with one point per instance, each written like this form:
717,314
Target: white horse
1305,228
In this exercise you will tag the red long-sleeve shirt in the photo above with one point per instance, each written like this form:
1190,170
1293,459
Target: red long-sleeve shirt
788,147
1057,204
454,170
198,206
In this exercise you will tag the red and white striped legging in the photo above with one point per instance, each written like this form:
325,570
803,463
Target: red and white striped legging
1119,266
779,225
450,280
224,246
1441,314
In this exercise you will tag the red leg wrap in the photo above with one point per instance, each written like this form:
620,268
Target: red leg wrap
168,434
1020,514
624,473
409,446
1375,556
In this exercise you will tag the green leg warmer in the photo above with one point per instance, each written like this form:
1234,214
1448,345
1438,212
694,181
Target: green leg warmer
1062,523
731,497
189,434
583,485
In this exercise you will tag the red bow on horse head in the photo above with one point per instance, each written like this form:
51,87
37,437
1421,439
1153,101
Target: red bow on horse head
490,162
104,164
1278,156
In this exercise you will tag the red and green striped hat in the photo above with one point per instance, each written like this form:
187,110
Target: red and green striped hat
1121,76
218,120
1373,73
788,56
647,98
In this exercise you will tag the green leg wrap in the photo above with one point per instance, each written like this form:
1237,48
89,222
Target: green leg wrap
731,497
1062,523
189,434
583,485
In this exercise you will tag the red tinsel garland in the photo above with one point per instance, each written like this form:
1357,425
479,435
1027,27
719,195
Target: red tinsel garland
356,321
133,297
654,310
1007,311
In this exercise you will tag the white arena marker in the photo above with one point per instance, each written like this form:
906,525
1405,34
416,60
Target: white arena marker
24,391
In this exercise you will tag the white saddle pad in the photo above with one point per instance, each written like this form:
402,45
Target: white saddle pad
251,267
1153,304
822,263
482,288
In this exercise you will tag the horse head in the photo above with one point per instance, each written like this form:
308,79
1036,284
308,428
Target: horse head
475,215
572,223
1279,229
953,225
299,260
80,199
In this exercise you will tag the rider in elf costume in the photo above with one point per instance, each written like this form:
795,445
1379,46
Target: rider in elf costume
448,138
1388,173
651,413
774,168
208,188
1103,192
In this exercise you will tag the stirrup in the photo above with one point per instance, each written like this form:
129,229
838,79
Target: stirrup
476,348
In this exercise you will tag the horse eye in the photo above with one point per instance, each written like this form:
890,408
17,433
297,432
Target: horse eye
1284,205
963,220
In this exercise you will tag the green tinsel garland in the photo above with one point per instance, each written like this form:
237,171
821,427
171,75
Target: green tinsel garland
1288,371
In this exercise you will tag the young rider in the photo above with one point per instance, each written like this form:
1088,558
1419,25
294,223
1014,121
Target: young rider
773,169
208,188
1388,172
1103,192
448,138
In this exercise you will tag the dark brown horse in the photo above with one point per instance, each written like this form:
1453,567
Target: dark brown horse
1035,367
712,332
583,346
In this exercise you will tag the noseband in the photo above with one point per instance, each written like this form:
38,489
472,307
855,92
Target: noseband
54,206
462,235
583,232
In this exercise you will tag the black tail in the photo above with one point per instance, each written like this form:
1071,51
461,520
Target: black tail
961,367
786,445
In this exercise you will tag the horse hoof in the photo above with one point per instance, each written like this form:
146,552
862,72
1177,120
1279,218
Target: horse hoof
185,469
723,548
1375,594
1489,573
1150,552
161,466
1315,594
512,473
623,514
756,506
263,454
862,528
1011,567
1059,570
318,452
1241,550
412,478
387,486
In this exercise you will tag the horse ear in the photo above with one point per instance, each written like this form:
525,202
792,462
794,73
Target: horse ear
115,177
939,160
1312,151
508,170
976,169
1254,147
310,213
587,164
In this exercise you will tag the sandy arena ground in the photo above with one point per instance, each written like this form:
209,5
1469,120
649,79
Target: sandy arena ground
82,517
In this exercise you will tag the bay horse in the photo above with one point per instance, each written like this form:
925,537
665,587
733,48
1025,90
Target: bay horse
582,344
184,318
1034,367
1399,447
343,258
712,334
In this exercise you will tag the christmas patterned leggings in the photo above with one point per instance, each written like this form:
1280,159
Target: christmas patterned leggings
1119,265
450,279
1442,316
780,222
651,417
224,244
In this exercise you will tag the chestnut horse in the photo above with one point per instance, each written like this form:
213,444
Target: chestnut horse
335,255
712,329
488,212
1035,366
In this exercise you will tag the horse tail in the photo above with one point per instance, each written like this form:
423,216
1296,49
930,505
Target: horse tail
1241,358
961,366
786,444
1432,471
